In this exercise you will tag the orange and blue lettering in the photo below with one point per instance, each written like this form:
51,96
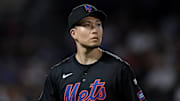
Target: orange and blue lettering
101,93
83,95
70,94
97,92
88,8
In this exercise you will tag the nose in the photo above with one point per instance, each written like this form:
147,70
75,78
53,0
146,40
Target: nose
94,28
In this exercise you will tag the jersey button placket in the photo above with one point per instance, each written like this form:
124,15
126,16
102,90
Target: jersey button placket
83,80
84,75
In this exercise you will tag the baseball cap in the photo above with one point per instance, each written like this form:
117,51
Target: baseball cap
82,11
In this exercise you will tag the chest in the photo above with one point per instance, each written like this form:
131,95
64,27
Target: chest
87,83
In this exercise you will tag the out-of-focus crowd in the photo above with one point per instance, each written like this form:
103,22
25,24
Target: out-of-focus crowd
33,38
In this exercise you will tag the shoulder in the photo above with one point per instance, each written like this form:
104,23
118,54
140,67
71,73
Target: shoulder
61,64
122,65
55,71
113,57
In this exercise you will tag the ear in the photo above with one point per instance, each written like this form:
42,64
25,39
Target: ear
73,33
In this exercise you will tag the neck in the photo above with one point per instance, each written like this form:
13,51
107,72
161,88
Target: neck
88,56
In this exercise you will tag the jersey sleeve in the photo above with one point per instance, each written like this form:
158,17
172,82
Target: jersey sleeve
48,93
131,89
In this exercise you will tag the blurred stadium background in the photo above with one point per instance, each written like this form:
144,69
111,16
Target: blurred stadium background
145,33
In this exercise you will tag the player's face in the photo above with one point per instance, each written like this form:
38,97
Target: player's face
88,32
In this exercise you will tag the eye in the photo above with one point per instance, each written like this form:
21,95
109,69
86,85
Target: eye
86,25
98,24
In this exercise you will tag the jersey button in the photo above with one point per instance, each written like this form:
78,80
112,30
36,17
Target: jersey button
83,80
85,73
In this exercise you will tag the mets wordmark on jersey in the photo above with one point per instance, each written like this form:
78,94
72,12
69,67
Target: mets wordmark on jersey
94,94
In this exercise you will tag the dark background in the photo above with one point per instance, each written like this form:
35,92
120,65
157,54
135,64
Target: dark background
143,32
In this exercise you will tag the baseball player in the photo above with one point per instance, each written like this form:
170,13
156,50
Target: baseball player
91,73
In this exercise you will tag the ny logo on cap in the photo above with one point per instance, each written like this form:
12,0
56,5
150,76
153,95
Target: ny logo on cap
88,8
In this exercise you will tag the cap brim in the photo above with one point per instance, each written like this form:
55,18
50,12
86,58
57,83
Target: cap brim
97,14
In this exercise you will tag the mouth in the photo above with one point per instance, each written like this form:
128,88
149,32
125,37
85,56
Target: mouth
95,38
